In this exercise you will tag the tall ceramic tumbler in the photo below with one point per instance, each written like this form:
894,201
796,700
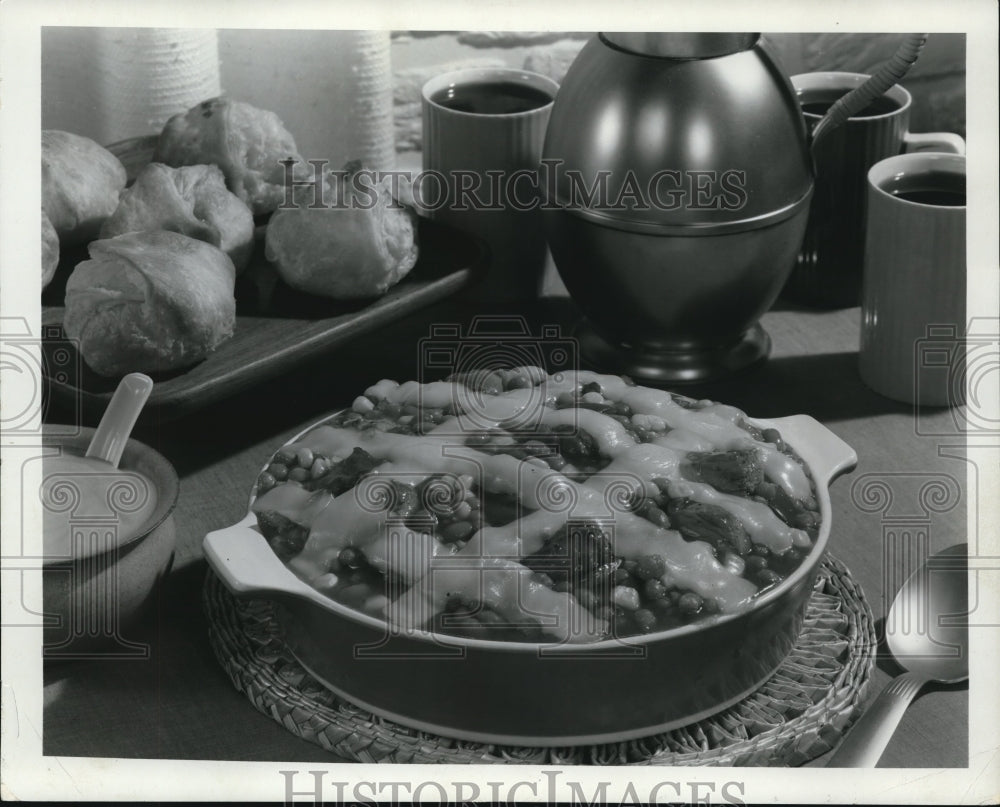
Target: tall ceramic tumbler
913,312
483,130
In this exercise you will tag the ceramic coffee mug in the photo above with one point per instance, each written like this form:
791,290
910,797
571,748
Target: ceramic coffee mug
913,300
483,130
827,272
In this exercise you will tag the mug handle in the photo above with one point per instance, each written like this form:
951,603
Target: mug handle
933,141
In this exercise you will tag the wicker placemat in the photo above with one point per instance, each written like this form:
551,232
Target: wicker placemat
798,714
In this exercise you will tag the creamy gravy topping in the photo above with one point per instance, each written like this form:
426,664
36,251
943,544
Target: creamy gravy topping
75,490
712,427
508,588
352,519
552,496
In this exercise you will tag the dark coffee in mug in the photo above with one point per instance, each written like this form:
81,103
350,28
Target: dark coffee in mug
828,268
492,98
940,188
820,105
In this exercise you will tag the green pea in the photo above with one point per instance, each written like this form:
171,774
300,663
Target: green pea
650,567
663,605
286,455
654,589
690,603
768,577
350,558
623,622
645,620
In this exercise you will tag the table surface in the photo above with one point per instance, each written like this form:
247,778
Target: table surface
179,704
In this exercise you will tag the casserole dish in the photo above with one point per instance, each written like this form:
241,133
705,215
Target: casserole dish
540,692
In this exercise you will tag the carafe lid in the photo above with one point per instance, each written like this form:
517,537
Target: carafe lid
682,45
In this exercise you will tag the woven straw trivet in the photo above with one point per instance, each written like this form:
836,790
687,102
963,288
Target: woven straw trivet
798,714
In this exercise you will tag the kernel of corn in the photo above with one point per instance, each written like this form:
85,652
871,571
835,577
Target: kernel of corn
626,597
362,404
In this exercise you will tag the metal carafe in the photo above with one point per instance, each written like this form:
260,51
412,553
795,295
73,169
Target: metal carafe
678,187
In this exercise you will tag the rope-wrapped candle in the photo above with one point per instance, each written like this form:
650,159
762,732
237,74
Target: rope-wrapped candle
368,87
145,75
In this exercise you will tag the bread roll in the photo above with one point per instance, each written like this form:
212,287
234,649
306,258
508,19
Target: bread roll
50,250
348,251
193,201
247,143
80,185
150,301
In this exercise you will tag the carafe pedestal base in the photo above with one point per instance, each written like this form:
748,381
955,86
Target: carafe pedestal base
672,367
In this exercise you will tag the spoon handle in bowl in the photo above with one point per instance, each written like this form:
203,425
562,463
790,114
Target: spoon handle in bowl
865,742
113,431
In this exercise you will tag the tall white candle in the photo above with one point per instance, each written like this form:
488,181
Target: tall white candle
145,75
368,89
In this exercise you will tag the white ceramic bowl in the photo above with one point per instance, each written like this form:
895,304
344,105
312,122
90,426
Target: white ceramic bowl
91,599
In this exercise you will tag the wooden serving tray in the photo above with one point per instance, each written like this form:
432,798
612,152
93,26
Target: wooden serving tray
291,330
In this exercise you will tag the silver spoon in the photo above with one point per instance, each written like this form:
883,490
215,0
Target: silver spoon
927,633
116,424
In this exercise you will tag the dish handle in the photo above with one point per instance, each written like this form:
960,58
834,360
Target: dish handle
248,567
826,454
